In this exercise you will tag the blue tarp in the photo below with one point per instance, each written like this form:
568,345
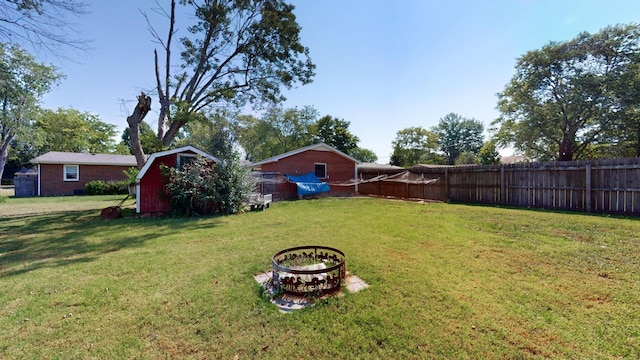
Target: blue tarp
308,184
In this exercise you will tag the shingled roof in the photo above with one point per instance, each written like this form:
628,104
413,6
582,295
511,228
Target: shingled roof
57,157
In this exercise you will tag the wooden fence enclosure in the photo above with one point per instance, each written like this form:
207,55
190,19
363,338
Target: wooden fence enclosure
601,186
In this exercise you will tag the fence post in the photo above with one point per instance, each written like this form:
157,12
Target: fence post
587,197
503,187
446,184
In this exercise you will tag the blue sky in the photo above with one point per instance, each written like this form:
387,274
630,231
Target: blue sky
381,65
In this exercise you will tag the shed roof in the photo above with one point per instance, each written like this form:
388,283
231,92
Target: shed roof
316,147
58,157
183,149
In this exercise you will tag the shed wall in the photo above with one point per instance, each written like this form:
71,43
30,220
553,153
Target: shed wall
152,195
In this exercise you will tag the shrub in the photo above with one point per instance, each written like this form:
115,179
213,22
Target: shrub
101,187
131,174
203,187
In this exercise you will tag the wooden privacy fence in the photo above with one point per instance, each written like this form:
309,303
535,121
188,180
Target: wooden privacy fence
604,186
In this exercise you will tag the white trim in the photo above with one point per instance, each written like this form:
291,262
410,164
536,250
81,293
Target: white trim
326,170
64,172
355,176
154,156
137,196
318,147
179,157
39,179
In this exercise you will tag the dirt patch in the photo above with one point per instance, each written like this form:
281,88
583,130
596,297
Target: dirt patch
7,191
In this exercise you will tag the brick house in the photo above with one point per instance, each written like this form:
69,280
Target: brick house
325,162
64,173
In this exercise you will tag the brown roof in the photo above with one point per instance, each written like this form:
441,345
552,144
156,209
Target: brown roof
57,157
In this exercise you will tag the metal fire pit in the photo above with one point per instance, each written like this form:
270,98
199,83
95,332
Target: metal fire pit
305,270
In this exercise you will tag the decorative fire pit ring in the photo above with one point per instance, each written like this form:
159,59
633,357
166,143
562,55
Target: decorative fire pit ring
305,270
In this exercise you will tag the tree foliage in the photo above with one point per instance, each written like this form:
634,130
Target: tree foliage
335,132
43,24
457,135
217,134
466,158
62,130
23,81
488,154
572,98
363,155
254,136
70,130
290,128
413,146
237,51
148,139
280,130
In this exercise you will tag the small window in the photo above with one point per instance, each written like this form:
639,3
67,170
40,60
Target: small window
184,159
71,173
321,170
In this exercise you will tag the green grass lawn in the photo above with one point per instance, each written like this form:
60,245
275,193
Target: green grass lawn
447,281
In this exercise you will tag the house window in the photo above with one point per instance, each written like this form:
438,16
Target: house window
184,159
321,170
71,173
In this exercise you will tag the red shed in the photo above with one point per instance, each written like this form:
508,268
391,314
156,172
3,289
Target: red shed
150,182
329,165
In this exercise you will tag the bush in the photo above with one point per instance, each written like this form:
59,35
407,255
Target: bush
101,187
131,174
203,187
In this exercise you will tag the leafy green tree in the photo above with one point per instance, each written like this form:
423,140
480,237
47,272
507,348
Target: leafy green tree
466,158
363,155
23,81
457,135
569,97
254,136
623,140
280,130
74,131
287,129
488,154
335,132
413,146
237,51
216,135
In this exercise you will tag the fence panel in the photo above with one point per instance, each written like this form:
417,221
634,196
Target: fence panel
602,186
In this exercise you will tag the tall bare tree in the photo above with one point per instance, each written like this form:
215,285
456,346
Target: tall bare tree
44,24
237,51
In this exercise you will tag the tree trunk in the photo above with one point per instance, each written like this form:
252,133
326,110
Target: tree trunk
141,110
566,150
3,155
168,137
637,140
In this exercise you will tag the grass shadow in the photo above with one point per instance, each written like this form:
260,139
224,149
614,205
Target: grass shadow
551,211
65,238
